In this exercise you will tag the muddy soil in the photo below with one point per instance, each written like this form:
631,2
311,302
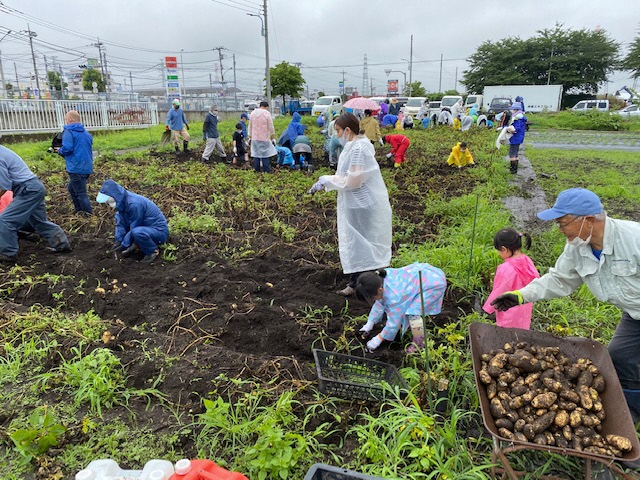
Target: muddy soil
242,317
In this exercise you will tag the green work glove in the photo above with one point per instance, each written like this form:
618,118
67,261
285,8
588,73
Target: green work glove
507,300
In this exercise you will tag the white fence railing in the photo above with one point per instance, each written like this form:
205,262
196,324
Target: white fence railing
28,116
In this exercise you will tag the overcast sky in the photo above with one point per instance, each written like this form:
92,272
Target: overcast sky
328,37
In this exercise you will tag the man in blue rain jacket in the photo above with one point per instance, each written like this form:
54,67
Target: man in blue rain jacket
140,225
78,155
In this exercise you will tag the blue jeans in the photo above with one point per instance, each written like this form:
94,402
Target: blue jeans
266,164
28,209
78,190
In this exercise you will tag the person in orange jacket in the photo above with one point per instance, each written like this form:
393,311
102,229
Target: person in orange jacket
399,144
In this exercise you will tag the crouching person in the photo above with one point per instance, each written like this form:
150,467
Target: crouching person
27,210
396,292
140,225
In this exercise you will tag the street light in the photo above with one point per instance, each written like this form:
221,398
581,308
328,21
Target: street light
388,71
265,34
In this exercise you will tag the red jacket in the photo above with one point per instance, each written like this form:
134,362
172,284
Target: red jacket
396,140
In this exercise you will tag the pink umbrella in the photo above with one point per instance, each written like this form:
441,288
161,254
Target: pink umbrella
362,103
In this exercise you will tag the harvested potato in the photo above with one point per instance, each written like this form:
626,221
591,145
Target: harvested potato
585,379
499,360
562,418
503,432
484,377
621,443
599,383
543,422
504,423
544,400
585,397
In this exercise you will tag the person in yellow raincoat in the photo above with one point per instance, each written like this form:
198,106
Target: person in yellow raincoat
460,156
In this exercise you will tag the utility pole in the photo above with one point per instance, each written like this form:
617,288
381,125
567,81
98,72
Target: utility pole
550,61
164,79
33,56
220,57
343,85
15,69
440,83
235,85
46,73
184,87
4,85
410,64
131,85
266,49
61,82
365,75
455,85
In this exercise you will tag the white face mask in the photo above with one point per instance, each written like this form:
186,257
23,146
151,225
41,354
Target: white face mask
112,202
344,138
578,242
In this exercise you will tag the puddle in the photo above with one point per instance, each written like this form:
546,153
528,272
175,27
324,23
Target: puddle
531,199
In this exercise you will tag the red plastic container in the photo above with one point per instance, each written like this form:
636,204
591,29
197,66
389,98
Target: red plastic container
203,470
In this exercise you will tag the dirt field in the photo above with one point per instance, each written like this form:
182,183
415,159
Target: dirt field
242,317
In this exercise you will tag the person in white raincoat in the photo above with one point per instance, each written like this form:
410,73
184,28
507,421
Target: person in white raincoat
364,211
262,135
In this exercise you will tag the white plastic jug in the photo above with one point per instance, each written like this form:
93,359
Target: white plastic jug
108,469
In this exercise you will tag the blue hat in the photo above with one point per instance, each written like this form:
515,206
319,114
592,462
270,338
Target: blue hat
575,201
244,115
516,106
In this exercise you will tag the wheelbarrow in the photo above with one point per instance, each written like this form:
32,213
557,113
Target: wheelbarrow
484,338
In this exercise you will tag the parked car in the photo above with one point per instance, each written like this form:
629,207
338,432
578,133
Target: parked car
630,111
413,105
499,105
322,104
584,105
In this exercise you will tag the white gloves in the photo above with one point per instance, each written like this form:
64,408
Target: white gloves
323,132
374,343
319,185
367,327
389,155
381,141
235,150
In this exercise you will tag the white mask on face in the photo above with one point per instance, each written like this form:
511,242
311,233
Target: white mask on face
343,139
578,242
112,202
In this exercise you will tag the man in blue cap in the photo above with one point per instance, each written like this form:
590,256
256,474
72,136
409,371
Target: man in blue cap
604,254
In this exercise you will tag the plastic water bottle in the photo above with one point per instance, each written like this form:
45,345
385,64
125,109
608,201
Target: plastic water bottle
108,469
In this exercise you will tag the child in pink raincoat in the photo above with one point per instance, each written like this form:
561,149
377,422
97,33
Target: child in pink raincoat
517,271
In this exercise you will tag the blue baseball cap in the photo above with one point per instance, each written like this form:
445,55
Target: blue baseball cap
575,201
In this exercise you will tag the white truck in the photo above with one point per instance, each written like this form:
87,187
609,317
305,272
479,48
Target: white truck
537,98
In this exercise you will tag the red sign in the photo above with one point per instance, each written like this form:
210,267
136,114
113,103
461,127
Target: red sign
392,86
171,62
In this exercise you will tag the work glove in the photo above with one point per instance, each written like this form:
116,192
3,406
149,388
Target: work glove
187,127
374,343
381,141
367,327
319,185
389,155
166,128
507,300
235,151
323,132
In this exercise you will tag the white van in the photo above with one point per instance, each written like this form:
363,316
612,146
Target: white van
474,99
584,105
413,105
324,103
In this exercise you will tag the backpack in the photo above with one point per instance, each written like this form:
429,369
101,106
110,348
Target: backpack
56,142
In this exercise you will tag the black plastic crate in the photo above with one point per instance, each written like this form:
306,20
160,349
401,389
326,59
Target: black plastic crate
320,471
355,378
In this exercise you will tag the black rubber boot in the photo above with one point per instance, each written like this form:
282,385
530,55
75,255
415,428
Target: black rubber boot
513,168
185,146
177,149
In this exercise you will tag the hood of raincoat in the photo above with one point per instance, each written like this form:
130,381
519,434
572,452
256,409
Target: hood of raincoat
523,266
116,191
293,129
75,127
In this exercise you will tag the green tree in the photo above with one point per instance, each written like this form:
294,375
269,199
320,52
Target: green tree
579,60
417,90
286,80
55,81
632,60
92,75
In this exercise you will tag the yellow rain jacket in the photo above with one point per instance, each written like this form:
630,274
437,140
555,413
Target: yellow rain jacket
459,158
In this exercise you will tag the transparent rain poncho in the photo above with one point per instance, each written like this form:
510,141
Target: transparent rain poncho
364,211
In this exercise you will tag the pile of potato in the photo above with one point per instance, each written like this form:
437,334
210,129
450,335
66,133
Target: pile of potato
537,395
